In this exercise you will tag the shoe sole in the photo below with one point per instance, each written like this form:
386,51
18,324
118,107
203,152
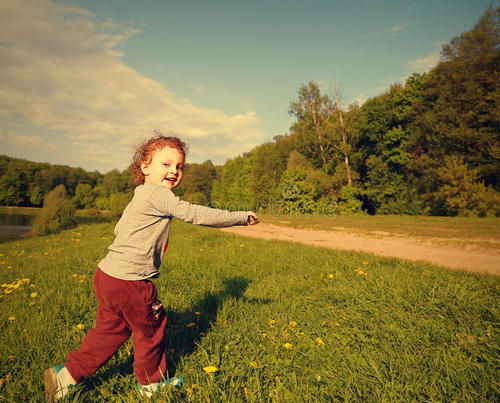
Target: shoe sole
50,382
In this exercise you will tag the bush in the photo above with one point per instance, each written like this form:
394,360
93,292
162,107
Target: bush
350,201
57,213
462,194
118,202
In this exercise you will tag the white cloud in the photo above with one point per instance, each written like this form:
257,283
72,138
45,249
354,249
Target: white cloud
425,63
61,70
12,139
389,31
397,28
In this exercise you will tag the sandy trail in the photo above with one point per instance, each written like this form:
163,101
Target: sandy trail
439,251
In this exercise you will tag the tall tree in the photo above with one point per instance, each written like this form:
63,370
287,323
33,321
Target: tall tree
321,128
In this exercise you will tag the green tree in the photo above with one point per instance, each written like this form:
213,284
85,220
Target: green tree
462,194
459,112
322,131
84,197
118,201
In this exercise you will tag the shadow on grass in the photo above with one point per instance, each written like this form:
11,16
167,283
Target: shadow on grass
184,329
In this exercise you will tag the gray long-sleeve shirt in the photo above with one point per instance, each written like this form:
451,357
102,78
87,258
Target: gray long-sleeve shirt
141,234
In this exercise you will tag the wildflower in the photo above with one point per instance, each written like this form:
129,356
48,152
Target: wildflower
287,346
210,369
190,324
319,341
11,318
365,263
272,322
197,313
11,357
293,323
201,250
330,276
253,364
34,295
7,291
80,326
31,303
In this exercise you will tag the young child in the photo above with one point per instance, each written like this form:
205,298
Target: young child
128,302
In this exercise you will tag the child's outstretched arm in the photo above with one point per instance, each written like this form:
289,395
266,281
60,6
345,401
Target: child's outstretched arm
164,200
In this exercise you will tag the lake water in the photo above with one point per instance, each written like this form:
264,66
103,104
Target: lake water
12,226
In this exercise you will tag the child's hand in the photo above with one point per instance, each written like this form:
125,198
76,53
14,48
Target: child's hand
252,218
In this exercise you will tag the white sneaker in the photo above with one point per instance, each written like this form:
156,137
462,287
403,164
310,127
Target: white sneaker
152,388
58,382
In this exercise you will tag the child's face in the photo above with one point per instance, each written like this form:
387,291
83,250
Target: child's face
165,168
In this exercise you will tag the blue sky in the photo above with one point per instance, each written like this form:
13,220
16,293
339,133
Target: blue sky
83,81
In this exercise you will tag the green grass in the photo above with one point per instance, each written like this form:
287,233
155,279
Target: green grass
358,327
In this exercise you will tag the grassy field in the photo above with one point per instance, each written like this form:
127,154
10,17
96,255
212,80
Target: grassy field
279,321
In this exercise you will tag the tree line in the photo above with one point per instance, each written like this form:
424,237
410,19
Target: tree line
428,146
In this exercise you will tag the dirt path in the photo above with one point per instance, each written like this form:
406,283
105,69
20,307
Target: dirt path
469,257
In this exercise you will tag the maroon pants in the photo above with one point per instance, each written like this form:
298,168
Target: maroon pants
125,307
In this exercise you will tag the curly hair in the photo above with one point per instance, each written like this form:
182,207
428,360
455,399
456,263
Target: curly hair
145,152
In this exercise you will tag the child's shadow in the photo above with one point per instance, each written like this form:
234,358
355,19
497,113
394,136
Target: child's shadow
186,328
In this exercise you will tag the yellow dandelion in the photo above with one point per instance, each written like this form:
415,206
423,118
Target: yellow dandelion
253,364
330,276
319,341
80,326
201,250
210,369
75,275
11,318
34,295
288,346
293,323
